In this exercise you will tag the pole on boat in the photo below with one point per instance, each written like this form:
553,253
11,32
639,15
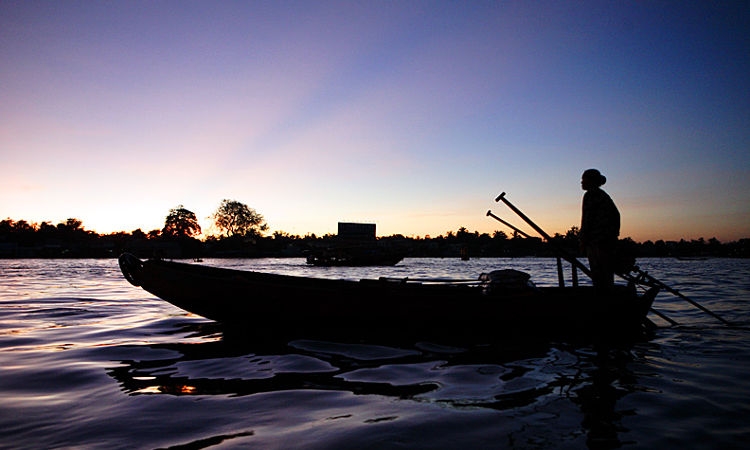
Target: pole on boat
560,276
643,276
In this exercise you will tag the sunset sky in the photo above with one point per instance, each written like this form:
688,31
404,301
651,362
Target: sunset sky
413,115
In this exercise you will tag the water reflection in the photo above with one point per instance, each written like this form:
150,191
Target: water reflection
502,376
605,379
226,368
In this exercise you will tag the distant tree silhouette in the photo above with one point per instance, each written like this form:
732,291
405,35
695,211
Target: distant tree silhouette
69,239
139,234
70,225
23,226
237,219
181,222
499,235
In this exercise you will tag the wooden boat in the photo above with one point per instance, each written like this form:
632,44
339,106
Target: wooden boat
501,303
355,256
354,245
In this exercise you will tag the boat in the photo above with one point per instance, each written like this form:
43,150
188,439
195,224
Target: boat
355,244
500,303
353,255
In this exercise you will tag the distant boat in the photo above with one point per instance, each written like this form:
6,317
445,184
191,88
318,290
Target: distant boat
497,304
355,245
353,255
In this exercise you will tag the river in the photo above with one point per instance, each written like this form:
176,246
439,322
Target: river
89,361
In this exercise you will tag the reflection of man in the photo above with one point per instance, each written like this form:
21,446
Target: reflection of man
598,397
600,227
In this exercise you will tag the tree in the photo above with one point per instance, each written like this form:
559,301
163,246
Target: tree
237,219
71,224
23,226
71,229
139,234
181,223
47,229
499,235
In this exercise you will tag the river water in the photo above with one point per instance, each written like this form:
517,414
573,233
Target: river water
89,361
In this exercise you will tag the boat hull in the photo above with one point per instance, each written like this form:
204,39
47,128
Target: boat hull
288,304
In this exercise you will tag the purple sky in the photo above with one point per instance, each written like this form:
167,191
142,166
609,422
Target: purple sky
413,115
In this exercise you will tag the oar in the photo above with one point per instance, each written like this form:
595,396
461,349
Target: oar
654,282
561,251
521,215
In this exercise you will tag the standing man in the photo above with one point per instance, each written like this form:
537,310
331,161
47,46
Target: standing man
600,227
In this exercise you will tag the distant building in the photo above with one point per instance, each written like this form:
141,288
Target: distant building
356,231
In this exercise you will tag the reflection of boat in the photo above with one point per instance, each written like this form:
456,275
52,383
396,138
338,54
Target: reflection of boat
494,375
239,368
500,303
257,375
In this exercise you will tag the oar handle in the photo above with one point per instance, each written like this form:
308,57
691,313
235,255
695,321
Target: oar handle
568,257
523,216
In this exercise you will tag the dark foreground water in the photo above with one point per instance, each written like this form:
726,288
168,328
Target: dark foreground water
89,361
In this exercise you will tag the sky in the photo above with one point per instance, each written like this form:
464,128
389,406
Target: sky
413,115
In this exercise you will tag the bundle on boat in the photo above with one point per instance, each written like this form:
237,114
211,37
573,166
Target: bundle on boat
503,302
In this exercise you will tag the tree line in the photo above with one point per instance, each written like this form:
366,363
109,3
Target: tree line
243,232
